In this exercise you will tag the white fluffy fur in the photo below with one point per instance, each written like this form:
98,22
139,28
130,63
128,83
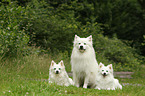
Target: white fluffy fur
107,81
83,62
58,75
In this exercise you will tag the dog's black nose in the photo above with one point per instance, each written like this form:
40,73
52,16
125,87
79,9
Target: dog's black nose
81,47
104,73
57,72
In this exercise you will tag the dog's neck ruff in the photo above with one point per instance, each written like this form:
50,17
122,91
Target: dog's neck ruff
57,75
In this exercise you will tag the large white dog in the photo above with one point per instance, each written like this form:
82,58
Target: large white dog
83,62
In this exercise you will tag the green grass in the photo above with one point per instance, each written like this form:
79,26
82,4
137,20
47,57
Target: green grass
22,76
32,87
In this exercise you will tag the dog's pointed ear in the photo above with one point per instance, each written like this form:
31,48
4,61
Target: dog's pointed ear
101,65
52,63
61,63
90,38
110,66
76,37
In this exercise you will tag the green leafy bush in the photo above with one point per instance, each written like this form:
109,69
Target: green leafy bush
116,52
125,18
54,29
12,39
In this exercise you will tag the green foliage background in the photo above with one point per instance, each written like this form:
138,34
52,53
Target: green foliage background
50,25
12,38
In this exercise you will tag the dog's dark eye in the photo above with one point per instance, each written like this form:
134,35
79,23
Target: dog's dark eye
107,71
54,68
84,43
102,70
79,43
59,68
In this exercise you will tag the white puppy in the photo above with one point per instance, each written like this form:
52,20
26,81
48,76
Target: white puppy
105,78
83,62
58,75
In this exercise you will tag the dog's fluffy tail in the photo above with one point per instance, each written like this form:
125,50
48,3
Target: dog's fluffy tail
118,85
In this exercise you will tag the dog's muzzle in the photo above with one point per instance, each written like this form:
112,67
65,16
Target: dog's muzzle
57,72
82,49
104,74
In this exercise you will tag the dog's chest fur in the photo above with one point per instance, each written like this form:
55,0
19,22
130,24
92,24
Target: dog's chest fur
83,62
105,82
59,79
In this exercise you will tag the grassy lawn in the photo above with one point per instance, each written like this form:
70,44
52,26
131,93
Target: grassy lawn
31,87
27,75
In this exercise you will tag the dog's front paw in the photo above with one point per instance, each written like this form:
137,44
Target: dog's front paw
98,88
85,86
112,88
50,81
77,85
108,88
66,85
